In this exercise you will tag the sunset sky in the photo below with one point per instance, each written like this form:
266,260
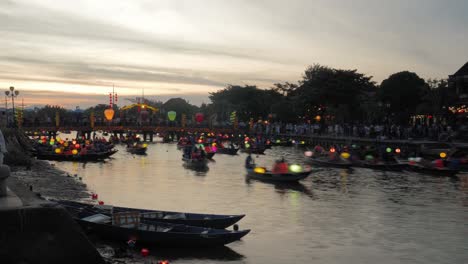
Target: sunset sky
72,52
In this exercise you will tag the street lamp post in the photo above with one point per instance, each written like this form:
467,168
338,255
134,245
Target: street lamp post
12,93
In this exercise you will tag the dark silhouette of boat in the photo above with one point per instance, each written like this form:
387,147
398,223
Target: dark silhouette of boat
192,219
431,170
269,176
325,162
138,150
125,226
89,156
228,151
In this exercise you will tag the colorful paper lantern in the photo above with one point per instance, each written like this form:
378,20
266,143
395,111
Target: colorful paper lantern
443,155
171,115
388,150
74,152
398,150
58,151
199,117
332,150
259,170
345,155
295,168
109,114
308,153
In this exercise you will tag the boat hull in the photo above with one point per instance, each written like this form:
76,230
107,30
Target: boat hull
271,177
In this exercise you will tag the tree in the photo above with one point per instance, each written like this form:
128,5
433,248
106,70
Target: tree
401,93
336,92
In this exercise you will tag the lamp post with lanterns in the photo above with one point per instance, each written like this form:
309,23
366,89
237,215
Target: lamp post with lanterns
12,93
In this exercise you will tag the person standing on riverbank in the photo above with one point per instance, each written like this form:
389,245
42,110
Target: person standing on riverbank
3,148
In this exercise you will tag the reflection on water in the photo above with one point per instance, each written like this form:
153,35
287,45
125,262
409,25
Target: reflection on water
333,216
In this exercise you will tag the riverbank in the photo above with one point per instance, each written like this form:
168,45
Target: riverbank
50,182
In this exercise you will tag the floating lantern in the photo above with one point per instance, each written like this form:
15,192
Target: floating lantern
332,150
318,118
259,170
443,155
308,153
144,252
345,155
295,168
302,142
171,115
398,150
109,114
58,151
388,150
369,157
74,152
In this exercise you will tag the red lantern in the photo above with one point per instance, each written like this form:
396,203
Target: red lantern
144,252
94,196
199,117
101,203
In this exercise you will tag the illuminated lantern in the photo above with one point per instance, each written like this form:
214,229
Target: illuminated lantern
295,168
77,145
308,153
332,150
318,118
389,150
144,252
443,155
58,151
259,170
369,157
101,203
345,155
199,117
74,152
145,145
74,142
171,115
65,144
398,150
52,142
109,114
214,148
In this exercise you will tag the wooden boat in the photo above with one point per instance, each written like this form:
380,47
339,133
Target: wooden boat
137,150
129,225
195,162
228,151
324,162
444,171
209,155
90,156
272,177
387,166
192,219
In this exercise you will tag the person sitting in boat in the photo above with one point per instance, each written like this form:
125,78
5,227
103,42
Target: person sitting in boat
280,167
249,162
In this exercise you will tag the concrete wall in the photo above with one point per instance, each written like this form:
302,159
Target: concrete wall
43,234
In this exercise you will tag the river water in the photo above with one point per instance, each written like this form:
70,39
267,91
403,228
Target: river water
334,216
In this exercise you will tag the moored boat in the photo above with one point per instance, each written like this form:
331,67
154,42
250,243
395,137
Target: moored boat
444,171
324,162
138,150
228,151
90,156
192,219
125,226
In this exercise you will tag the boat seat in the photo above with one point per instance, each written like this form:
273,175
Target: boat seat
98,218
175,216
